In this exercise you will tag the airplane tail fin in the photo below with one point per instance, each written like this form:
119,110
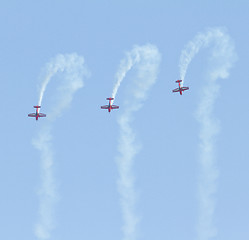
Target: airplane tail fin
37,106
110,98
178,81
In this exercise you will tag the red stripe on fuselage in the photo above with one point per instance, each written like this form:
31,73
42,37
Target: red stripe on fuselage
110,106
180,88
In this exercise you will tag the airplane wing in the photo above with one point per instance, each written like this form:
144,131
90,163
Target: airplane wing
42,115
176,90
185,88
32,115
115,107
105,107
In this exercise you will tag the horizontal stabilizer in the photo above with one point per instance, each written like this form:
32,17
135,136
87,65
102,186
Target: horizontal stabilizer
178,81
37,106
110,98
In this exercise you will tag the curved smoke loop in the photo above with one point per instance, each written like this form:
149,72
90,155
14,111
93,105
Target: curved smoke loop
223,56
145,59
74,71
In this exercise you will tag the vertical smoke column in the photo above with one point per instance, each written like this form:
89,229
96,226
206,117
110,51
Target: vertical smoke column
73,70
145,60
222,59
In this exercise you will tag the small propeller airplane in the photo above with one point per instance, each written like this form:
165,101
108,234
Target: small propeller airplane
110,106
37,114
180,89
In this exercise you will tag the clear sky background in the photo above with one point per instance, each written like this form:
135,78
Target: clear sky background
85,138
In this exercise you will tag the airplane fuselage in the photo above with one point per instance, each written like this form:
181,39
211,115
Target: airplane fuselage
36,114
110,106
180,89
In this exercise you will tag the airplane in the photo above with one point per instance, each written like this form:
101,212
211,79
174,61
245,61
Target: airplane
110,106
180,89
37,114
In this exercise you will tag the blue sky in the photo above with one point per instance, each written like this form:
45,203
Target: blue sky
85,139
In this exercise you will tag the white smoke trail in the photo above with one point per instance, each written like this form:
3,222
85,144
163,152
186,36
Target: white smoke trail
193,47
125,66
146,59
73,68
222,59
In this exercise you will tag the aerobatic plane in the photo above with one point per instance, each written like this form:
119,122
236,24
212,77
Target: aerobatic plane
37,114
110,106
180,89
